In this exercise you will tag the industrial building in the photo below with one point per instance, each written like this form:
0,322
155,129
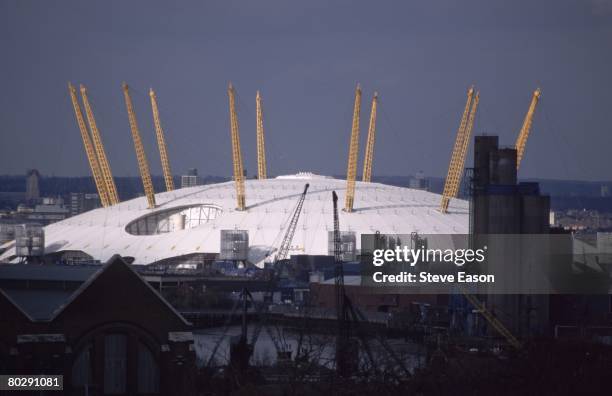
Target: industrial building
191,179
81,202
500,205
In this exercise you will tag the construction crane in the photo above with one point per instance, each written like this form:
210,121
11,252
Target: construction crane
89,149
261,148
107,175
341,313
242,350
455,168
236,153
346,314
143,165
161,143
521,141
369,151
351,173
343,335
283,250
497,325
282,348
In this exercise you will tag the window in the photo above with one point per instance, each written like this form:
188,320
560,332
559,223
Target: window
115,364
175,219
81,369
148,370
125,358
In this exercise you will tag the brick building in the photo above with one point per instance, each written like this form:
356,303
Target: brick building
104,328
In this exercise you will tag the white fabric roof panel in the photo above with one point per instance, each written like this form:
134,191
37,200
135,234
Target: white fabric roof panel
378,207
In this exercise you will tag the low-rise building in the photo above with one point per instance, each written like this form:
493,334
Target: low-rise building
104,328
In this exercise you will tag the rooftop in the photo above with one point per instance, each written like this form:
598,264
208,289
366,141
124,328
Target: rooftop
208,209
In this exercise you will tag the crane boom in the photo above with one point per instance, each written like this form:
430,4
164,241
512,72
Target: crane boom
345,311
161,143
89,149
497,325
143,165
351,173
369,151
236,153
455,167
283,251
261,148
521,141
342,312
339,271
107,175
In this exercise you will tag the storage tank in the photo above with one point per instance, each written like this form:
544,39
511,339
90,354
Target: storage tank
29,240
348,245
234,245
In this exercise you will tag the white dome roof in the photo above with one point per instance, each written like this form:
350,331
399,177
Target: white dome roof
378,207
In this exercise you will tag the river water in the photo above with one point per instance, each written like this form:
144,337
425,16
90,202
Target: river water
321,347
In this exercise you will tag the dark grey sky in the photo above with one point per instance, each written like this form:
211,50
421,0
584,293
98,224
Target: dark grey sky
306,58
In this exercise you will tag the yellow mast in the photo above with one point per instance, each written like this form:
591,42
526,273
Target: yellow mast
89,150
236,154
521,141
143,165
107,175
351,173
466,140
261,148
161,143
369,151
455,167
